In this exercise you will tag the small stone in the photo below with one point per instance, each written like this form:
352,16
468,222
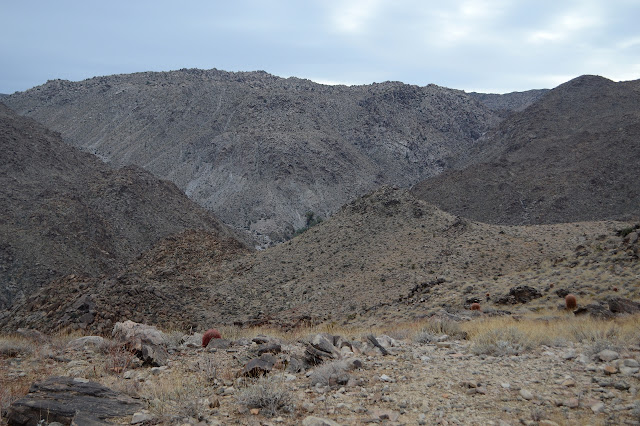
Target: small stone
598,407
608,355
571,403
141,417
631,363
610,369
569,383
385,378
308,406
505,385
628,371
254,411
443,345
318,421
526,394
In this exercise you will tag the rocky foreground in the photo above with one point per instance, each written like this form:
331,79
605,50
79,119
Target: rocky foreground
537,371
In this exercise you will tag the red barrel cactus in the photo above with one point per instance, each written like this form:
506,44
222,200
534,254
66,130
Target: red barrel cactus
212,333
475,306
570,302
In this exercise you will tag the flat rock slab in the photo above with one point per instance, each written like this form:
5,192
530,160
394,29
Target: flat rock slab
65,400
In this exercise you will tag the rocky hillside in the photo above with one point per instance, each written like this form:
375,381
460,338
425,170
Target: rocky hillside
258,150
64,211
384,256
571,156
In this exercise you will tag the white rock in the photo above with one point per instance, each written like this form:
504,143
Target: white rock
140,417
318,421
526,394
608,355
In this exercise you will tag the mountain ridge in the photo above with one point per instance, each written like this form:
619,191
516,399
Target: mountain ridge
258,150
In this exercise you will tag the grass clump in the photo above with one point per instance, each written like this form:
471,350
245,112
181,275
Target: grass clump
330,374
501,342
438,327
268,394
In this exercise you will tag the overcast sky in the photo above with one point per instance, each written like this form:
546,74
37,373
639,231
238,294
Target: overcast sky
483,45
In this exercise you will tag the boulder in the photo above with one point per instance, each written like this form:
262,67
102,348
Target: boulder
216,344
148,343
130,330
67,400
520,294
620,305
320,348
596,310
259,366
270,347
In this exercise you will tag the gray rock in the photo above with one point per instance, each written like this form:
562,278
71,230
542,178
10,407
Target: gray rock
141,417
619,305
66,400
215,344
129,330
269,347
153,355
318,421
526,394
607,355
259,366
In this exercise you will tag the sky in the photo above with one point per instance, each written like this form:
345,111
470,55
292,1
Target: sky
492,46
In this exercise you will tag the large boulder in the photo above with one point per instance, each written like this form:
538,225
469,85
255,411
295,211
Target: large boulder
129,330
148,343
619,305
66,400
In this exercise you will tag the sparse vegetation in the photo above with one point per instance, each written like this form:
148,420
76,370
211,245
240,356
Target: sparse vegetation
501,342
268,394
311,221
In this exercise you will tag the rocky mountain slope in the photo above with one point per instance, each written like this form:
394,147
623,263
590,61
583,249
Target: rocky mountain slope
505,104
570,156
64,211
258,150
385,256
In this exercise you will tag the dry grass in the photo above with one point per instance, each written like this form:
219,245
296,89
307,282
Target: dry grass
176,394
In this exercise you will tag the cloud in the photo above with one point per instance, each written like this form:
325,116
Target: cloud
353,17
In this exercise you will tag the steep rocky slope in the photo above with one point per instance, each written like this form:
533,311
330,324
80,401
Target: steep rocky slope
258,150
571,156
386,255
64,211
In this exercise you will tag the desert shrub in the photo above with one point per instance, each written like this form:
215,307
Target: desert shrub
501,342
269,394
208,368
330,374
10,348
626,231
424,336
311,221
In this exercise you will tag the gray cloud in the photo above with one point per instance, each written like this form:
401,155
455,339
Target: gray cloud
486,45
